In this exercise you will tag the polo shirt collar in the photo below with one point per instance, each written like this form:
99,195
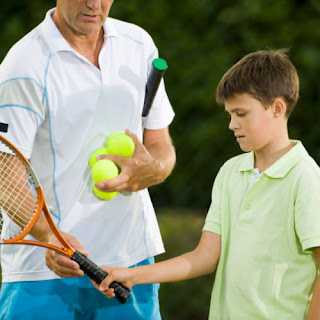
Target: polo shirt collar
54,40
282,166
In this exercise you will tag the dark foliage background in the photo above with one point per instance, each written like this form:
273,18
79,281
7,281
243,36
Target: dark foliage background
200,40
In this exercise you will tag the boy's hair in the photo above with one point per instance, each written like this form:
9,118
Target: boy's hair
264,75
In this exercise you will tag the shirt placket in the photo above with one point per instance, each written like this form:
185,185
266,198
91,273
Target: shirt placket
246,213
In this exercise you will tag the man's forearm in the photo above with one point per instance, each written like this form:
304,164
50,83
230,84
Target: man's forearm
41,230
164,154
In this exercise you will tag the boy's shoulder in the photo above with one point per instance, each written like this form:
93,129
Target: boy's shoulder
307,169
299,164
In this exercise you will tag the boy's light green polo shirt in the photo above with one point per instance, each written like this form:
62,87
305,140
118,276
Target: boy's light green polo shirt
265,269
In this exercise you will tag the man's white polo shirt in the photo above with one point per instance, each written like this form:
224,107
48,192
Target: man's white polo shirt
60,108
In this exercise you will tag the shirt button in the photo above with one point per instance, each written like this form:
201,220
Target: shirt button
247,206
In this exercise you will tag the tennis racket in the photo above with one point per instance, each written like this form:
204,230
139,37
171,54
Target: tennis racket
159,67
22,204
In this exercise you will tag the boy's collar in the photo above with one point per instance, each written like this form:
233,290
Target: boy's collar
282,166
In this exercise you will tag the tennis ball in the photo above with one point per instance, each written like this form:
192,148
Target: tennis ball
120,144
96,153
104,170
103,195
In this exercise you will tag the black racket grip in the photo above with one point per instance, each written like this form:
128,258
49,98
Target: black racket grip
159,67
97,274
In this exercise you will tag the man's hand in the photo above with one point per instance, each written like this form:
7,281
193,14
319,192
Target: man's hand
150,163
61,265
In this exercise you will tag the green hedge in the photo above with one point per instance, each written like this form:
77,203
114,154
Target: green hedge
201,40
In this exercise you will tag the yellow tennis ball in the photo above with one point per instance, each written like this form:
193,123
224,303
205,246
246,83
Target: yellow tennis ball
96,153
120,144
104,170
103,195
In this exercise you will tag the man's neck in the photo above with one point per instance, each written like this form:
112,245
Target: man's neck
87,45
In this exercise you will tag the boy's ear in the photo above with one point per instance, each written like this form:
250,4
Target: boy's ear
279,107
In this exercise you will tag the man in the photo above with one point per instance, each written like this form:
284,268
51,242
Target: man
67,85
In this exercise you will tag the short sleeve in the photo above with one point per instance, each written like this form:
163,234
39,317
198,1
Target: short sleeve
213,219
307,209
21,108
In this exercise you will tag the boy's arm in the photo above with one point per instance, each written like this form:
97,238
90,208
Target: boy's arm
314,310
201,261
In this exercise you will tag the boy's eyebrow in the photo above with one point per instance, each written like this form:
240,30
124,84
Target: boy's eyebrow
234,110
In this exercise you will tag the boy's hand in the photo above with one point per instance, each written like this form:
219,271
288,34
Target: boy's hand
122,275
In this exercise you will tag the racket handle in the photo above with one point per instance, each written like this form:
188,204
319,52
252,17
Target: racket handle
159,67
97,274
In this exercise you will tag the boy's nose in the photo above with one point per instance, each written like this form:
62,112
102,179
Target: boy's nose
233,124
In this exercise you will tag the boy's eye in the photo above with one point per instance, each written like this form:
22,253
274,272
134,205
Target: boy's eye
241,114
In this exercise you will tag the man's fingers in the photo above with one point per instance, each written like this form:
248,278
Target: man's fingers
68,273
62,266
119,160
135,139
116,184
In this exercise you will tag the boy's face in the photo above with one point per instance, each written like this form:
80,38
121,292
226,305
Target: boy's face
252,124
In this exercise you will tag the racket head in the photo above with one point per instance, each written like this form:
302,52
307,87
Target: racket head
21,197
22,202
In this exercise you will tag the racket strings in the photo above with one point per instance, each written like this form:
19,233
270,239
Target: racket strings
14,202
17,195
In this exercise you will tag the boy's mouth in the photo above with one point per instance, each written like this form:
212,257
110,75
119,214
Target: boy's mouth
239,137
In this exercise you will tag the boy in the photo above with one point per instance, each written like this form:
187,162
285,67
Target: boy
262,230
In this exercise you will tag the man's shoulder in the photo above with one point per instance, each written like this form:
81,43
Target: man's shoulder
25,58
130,31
